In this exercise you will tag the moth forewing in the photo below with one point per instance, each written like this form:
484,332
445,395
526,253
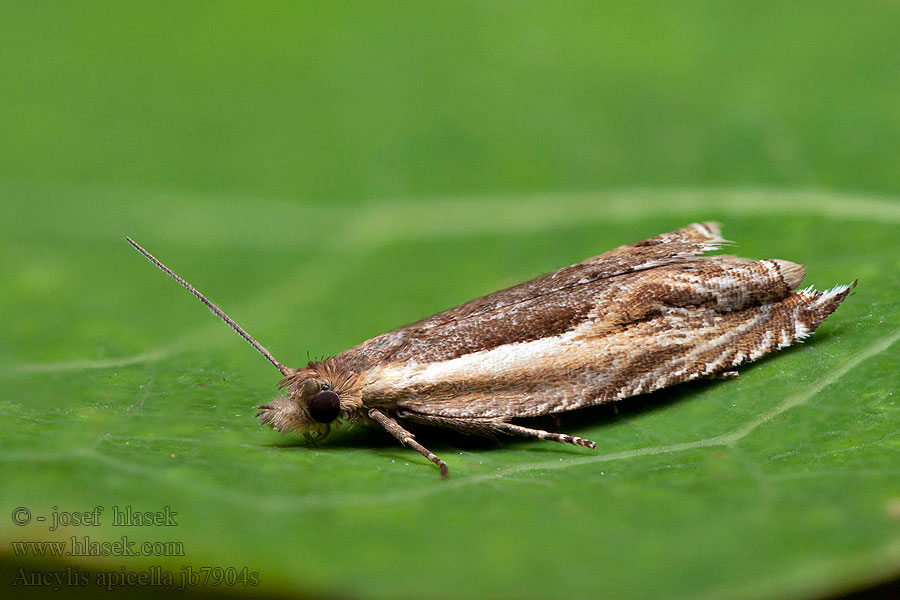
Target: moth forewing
635,319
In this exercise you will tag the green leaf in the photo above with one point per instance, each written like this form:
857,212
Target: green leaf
119,390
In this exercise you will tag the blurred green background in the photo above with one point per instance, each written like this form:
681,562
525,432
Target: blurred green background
358,102
326,172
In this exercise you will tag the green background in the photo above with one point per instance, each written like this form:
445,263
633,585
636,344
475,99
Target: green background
327,172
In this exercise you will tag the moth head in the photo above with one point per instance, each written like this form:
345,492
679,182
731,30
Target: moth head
311,406
318,395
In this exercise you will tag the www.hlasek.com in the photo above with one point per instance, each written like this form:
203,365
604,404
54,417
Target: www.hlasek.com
153,576
85,546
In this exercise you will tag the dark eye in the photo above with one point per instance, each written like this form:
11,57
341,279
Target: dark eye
325,406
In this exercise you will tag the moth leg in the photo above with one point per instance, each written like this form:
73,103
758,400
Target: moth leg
406,438
511,429
486,426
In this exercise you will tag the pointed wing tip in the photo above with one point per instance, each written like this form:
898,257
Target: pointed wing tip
817,306
707,233
713,229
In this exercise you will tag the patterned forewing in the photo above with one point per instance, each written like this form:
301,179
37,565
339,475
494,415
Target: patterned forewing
586,366
546,306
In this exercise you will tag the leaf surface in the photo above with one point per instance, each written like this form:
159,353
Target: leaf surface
121,390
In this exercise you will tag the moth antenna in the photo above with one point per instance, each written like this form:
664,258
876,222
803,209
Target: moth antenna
218,311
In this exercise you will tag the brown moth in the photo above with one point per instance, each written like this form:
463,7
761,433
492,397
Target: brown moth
633,320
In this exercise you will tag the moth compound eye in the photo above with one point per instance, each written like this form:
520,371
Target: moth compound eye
325,406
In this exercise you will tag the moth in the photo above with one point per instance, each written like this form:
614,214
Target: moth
633,320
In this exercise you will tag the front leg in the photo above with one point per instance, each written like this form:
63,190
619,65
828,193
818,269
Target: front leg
406,438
